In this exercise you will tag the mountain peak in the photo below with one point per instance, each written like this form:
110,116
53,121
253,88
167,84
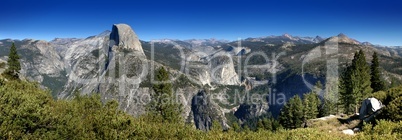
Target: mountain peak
345,39
287,36
124,37
318,39
367,44
342,35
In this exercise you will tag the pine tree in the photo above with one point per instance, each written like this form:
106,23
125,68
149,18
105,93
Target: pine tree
291,115
311,104
376,83
270,124
163,102
355,83
344,89
330,99
13,63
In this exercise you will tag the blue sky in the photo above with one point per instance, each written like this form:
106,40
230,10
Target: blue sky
379,22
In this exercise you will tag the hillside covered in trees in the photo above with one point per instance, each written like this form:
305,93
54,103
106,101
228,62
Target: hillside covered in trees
29,112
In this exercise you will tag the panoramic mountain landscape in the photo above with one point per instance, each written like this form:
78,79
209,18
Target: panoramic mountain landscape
263,73
206,75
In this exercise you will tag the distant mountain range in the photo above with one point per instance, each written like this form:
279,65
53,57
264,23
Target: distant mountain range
272,39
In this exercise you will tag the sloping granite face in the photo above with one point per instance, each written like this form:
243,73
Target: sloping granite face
124,37
222,69
217,68
205,111
114,66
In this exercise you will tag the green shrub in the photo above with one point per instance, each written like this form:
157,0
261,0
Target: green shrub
392,99
28,112
394,109
23,109
383,130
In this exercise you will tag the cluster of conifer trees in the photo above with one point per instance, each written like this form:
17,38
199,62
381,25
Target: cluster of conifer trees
358,81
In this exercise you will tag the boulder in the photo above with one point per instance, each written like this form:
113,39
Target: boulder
348,132
369,107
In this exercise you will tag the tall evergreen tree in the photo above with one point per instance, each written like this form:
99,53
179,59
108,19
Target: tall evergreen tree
13,63
376,83
355,83
291,115
329,98
311,105
346,98
163,102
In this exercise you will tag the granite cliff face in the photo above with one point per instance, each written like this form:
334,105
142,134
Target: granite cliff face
115,66
125,69
39,62
212,67
85,62
124,37
250,111
222,69
45,61
205,110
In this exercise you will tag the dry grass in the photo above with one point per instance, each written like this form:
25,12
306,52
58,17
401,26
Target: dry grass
329,125
353,124
333,125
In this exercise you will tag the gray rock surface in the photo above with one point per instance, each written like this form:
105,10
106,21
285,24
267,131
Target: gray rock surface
205,111
222,69
251,111
215,68
348,132
124,37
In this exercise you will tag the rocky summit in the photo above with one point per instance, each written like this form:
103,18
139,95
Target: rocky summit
123,37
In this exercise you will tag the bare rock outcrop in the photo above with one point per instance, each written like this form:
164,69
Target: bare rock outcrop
124,37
